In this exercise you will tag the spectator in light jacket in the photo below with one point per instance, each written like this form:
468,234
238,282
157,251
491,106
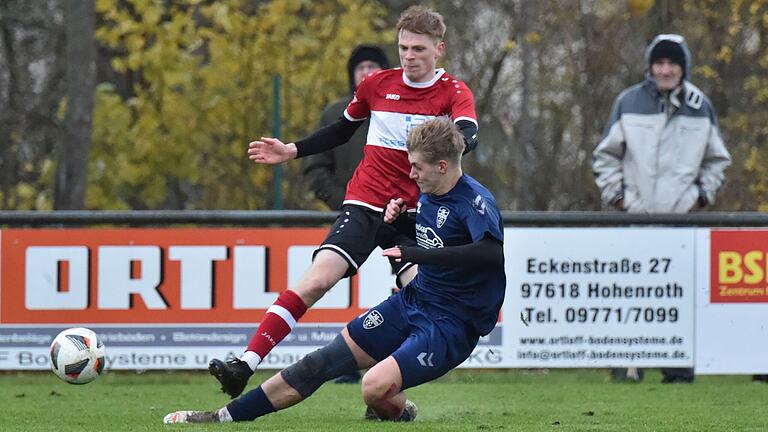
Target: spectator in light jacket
661,151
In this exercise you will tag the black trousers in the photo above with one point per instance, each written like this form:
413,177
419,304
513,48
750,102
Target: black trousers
668,375
672,375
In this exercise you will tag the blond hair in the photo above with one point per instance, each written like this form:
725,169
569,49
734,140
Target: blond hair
437,139
422,20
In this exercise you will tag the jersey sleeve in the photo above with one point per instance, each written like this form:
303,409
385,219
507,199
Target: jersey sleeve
483,217
359,109
463,104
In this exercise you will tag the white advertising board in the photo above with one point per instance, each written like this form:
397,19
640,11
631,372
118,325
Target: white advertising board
576,297
602,297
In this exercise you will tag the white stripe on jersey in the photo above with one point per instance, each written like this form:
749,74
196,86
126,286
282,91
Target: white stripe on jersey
390,129
352,119
457,119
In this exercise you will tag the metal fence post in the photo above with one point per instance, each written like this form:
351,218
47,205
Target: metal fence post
277,170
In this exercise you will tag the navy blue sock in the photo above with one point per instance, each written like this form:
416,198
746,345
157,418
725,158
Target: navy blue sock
250,405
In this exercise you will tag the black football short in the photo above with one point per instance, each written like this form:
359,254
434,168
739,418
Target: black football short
358,230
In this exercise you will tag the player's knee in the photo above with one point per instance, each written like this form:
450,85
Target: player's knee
313,288
317,367
376,387
371,394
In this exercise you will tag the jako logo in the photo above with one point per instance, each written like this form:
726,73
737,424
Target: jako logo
392,96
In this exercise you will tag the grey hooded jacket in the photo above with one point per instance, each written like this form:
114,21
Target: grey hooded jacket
661,153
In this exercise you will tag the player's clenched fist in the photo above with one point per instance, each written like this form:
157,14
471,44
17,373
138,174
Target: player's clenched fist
271,151
394,209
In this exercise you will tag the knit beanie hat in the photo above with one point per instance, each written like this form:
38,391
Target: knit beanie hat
362,53
667,49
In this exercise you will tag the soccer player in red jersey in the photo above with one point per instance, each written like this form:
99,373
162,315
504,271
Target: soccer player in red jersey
396,100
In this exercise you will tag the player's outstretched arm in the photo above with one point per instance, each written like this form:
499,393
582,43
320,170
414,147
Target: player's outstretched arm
394,209
271,151
488,252
274,151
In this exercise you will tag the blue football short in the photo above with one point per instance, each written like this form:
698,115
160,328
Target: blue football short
425,343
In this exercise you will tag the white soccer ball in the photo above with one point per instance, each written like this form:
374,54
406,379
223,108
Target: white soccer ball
77,355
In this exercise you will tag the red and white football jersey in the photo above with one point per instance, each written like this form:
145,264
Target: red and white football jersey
395,105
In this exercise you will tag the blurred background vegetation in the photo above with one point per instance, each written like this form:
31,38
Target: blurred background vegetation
150,104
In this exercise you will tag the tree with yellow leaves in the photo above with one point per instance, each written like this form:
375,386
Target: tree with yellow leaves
204,90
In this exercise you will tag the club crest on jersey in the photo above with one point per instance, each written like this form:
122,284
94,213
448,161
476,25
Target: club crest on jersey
442,215
372,320
479,204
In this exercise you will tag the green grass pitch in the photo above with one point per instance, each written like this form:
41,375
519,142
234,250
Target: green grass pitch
557,400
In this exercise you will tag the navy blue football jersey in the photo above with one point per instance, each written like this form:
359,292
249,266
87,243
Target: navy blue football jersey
462,216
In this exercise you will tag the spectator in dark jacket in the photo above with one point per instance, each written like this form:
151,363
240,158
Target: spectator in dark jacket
329,172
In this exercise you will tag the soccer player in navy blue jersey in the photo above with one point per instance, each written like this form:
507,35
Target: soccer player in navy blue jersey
430,326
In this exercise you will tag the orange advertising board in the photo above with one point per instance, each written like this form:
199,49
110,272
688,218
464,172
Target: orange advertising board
739,266
153,276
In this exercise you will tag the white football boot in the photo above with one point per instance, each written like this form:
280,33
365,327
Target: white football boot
192,417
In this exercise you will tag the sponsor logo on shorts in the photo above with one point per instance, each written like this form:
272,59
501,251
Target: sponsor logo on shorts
373,320
442,215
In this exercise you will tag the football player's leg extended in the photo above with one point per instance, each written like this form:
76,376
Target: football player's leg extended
327,268
300,380
289,386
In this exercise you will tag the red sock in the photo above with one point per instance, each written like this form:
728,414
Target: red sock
280,319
